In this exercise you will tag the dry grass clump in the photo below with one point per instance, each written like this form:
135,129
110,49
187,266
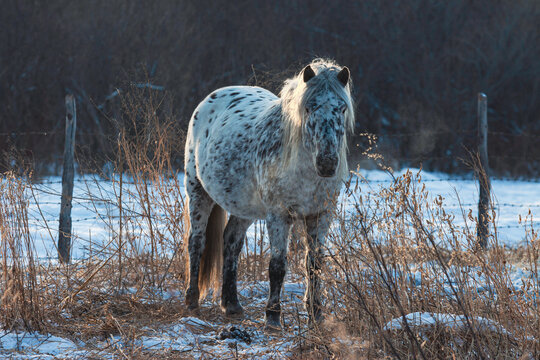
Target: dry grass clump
402,254
130,280
20,302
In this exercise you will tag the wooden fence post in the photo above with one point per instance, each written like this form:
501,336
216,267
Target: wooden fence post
64,234
483,173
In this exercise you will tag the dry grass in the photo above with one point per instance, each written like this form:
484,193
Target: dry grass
396,254
402,254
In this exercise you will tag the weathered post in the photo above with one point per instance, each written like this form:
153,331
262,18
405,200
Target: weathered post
64,234
483,173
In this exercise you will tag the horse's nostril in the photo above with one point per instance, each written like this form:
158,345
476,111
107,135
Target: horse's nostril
326,165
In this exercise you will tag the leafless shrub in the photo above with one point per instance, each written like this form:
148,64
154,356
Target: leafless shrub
402,254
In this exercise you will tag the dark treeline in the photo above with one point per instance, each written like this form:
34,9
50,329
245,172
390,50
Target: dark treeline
417,66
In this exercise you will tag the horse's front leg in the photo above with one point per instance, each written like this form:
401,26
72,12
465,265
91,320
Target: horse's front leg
316,228
278,232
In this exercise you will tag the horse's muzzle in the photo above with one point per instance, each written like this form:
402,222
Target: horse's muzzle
326,165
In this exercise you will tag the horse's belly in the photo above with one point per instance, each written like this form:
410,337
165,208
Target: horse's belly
246,210
242,203
234,189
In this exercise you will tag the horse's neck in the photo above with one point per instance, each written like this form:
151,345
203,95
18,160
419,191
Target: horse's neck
300,162
304,162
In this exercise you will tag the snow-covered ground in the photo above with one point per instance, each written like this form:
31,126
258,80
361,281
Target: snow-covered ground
95,221
92,219
189,337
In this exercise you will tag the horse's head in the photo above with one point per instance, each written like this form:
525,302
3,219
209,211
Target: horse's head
327,114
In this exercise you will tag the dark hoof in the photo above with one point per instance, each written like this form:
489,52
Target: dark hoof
314,323
192,301
272,327
193,308
273,322
315,316
233,311
316,319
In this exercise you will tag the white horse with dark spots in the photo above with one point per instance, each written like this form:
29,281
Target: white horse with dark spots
255,156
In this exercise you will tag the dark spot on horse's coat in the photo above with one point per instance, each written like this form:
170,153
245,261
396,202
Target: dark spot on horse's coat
206,132
248,126
234,93
197,217
213,96
253,117
212,111
195,115
237,111
209,120
235,102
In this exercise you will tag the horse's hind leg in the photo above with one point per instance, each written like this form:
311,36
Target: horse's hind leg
199,207
233,237
278,232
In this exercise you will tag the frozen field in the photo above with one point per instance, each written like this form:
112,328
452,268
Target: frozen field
92,219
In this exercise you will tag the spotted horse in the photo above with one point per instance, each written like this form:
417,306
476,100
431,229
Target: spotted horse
254,155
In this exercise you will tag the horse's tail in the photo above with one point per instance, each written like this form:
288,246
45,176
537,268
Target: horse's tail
212,256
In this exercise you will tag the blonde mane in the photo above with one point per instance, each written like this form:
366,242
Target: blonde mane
295,95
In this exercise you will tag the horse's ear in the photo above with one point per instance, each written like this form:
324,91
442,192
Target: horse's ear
308,73
343,75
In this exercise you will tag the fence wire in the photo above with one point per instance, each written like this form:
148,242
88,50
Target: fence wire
85,202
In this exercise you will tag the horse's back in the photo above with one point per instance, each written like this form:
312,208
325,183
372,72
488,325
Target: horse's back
227,108
221,146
